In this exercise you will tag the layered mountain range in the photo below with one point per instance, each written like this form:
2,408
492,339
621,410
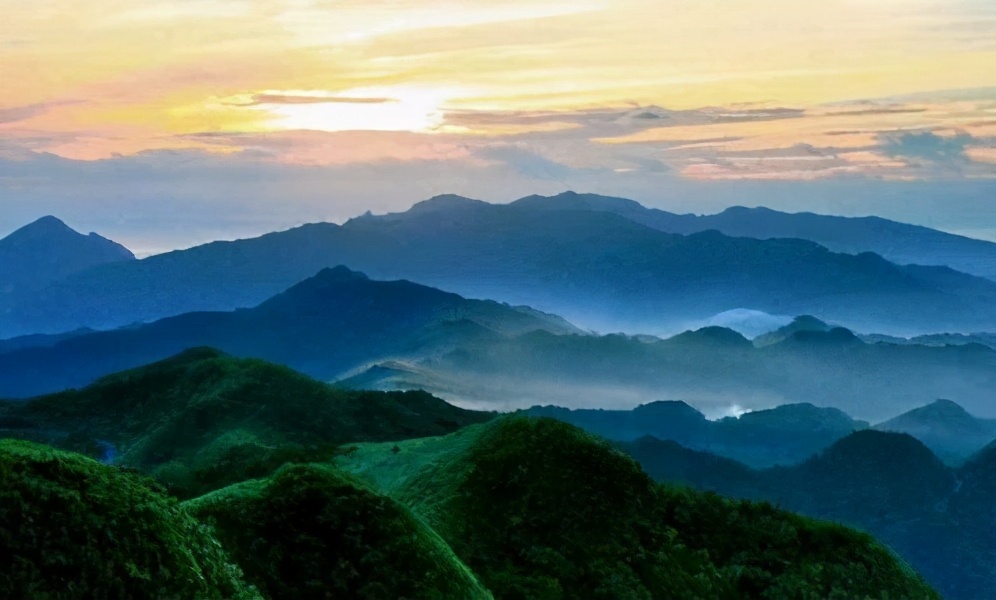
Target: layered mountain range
603,263
172,437
398,335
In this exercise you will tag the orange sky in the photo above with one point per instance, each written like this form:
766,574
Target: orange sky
94,80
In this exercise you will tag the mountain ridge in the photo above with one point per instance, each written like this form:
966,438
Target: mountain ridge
515,254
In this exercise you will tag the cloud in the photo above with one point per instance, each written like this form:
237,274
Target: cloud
260,99
23,113
928,145
526,163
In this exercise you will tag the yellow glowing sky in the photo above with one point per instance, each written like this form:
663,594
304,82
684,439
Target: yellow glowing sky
89,80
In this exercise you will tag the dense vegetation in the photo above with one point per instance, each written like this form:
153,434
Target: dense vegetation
313,532
202,420
941,520
519,508
516,507
73,528
539,509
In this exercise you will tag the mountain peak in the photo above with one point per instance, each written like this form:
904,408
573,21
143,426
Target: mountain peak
740,210
49,222
943,406
313,293
44,227
338,273
833,335
809,322
444,202
669,408
49,234
571,200
713,334
939,411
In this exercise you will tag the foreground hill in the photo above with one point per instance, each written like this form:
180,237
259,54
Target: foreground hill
897,242
332,322
539,509
45,251
599,269
311,531
942,520
518,509
714,369
202,419
73,528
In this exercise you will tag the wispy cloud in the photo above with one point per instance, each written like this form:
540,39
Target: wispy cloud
22,113
305,98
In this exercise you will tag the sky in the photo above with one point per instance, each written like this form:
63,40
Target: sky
167,123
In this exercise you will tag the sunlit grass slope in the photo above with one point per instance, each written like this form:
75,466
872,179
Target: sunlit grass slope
540,509
202,419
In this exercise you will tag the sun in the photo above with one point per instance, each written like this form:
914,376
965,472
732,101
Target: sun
396,108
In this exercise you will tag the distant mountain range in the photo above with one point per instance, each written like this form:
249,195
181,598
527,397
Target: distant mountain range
397,335
715,369
46,251
944,427
601,269
937,339
941,520
783,435
807,323
332,322
900,243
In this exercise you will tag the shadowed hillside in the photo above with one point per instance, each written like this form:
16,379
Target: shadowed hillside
941,520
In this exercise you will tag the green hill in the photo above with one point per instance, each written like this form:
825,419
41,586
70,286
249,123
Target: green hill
202,419
73,528
540,509
310,531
